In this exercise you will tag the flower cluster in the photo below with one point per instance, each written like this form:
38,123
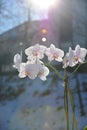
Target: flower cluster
73,57
35,67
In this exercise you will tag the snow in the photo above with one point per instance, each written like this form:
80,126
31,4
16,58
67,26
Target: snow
39,105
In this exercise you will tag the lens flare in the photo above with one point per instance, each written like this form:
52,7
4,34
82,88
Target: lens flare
44,39
44,4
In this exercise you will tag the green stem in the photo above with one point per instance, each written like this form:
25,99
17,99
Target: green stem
85,61
67,91
55,70
66,103
73,110
72,106
76,69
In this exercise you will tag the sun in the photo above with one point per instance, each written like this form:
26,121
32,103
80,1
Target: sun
43,4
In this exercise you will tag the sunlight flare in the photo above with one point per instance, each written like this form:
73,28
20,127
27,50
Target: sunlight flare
44,4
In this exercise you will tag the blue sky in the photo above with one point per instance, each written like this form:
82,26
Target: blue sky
18,14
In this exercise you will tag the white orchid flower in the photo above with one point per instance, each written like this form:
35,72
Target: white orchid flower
71,56
17,61
54,53
74,56
79,55
43,71
36,51
32,70
68,59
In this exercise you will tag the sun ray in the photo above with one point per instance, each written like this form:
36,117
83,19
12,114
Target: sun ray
44,4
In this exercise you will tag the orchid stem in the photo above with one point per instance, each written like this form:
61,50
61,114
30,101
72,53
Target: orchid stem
66,102
55,70
74,122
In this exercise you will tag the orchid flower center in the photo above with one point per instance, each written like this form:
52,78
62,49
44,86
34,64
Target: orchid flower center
55,56
75,58
67,61
27,73
35,53
40,73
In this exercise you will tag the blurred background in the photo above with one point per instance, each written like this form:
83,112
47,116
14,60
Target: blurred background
24,23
